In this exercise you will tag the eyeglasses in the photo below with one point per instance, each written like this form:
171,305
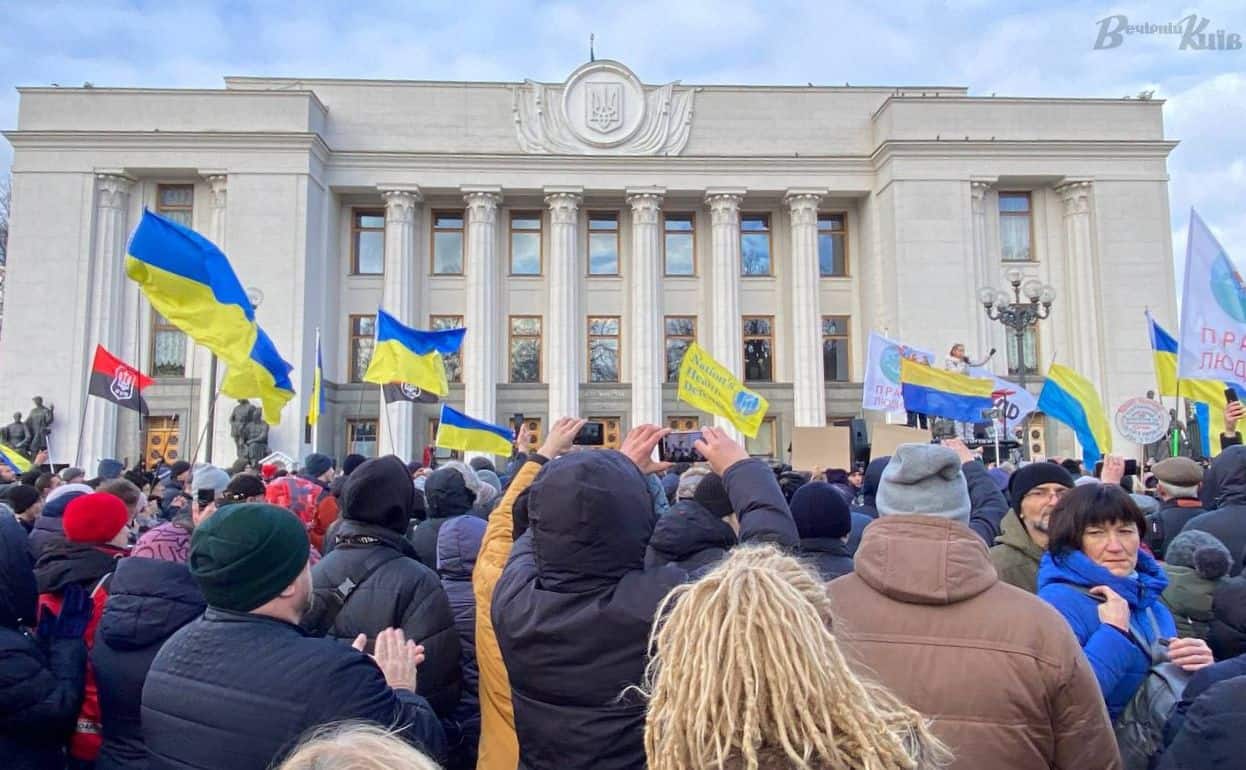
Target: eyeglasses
1052,494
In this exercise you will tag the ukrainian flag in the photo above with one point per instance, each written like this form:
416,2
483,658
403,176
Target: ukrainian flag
403,354
1208,395
12,458
264,375
1071,398
456,430
316,407
190,282
944,394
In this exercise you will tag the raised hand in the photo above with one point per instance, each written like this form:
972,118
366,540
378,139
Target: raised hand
639,446
1113,469
397,656
560,437
962,451
719,450
1233,414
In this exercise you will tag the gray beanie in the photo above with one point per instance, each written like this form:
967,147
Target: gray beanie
688,482
209,477
1202,552
924,479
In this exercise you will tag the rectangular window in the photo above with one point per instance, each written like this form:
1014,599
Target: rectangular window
447,242
832,245
680,231
362,338
168,348
681,331
613,430
759,348
683,423
525,348
755,244
525,243
361,437
176,202
367,233
1027,356
1015,227
168,343
764,443
603,349
836,352
603,243
454,361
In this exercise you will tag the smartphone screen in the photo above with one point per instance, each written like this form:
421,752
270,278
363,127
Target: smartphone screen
1131,467
1230,395
592,434
678,447
205,496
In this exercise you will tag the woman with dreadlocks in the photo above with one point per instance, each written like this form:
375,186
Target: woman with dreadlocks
745,674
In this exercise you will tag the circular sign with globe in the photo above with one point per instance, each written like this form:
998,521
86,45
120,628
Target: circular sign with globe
1226,287
890,362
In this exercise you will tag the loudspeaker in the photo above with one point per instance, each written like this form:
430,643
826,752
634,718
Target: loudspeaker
860,442
1037,438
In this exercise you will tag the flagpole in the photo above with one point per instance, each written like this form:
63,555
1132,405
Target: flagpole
315,429
389,423
208,424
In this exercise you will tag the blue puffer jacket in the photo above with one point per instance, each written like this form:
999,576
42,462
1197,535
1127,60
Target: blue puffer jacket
458,545
1119,663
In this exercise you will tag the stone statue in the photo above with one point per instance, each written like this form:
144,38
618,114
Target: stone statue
243,415
15,434
39,423
255,435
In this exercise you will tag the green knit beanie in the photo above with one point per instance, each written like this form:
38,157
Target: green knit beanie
246,554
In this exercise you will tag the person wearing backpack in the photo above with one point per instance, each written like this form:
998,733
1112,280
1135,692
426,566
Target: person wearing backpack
375,581
305,493
1108,589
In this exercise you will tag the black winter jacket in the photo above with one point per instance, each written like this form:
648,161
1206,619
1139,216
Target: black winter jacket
574,607
1206,732
148,600
1227,634
445,496
237,691
988,507
1224,497
40,684
402,593
1166,523
50,526
689,537
828,555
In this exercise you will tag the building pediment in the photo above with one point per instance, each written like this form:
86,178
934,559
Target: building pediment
602,109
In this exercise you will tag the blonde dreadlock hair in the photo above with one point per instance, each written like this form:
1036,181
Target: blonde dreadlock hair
745,662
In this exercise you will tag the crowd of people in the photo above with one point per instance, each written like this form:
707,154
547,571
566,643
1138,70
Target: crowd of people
590,608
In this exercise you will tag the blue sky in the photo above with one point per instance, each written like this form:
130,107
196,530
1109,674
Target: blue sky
990,46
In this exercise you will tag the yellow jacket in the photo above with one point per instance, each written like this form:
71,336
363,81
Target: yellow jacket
499,748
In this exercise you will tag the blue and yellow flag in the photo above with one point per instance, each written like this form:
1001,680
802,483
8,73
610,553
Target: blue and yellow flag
316,407
191,283
709,386
403,354
1071,398
456,430
12,458
944,394
264,375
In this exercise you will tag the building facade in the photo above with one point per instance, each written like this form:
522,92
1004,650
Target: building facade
583,233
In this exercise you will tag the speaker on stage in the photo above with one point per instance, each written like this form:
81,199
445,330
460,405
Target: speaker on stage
860,442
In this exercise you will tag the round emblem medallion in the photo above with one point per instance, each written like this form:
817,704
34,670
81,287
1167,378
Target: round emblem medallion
604,103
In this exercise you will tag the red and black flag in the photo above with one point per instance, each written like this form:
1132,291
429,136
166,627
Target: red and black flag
401,391
116,381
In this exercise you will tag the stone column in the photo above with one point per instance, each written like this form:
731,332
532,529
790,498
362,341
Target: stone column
983,274
1081,278
809,379
726,337
563,323
223,449
398,298
480,346
648,356
106,321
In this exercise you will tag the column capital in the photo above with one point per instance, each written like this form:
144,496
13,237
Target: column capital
564,204
1076,196
112,189
482,203
646,204
400,205
218,185
804,205
978,189
724,206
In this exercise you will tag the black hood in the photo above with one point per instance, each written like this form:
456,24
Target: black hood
19,596
64,563
591,518
446,494
1225,482
148,599
873,476
689,529
380,492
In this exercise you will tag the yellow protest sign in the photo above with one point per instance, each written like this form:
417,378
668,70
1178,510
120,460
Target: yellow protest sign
707,385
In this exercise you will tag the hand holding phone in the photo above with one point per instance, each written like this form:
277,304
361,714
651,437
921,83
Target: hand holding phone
592,434
680,447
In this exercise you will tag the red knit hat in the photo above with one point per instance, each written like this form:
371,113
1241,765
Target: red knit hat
95,518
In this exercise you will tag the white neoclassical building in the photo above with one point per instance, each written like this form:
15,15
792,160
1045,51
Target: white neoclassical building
583,232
